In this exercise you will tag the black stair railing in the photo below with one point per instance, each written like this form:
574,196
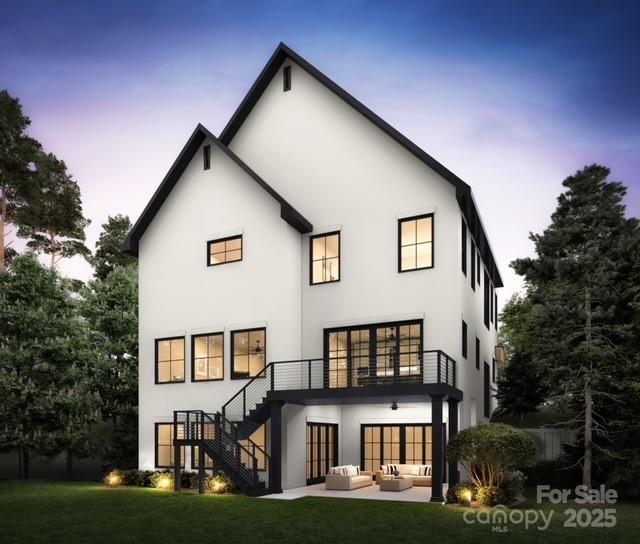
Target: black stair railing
243,460
427,367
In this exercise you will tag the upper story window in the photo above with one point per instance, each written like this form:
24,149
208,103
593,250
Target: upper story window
464,339
207,357
248,353
224,250
206,157
170,360
478,266
487,296
464,248
325,258
477,353
473,266
415,241
286,78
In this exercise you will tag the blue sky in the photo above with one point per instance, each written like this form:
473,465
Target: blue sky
512,96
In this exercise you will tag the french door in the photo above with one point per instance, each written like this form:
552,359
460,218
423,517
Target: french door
322,450
373,354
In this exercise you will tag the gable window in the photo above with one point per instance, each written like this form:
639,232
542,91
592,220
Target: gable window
206,156
164,454
473,266
170,360
464,339
325,258
286,78
207,357
464,248
487,304
478,267
477,353
248,353
415,243
224,250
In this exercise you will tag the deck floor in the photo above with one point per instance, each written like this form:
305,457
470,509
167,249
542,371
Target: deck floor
372,492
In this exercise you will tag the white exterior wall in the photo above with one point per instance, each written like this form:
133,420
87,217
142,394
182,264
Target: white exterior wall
342,173
180,295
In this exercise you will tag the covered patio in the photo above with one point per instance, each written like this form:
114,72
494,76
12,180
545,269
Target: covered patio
372,492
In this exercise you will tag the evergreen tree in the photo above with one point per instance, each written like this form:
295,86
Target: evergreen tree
17,151
110,307
521,387
53,221
45,405
109,253
582,320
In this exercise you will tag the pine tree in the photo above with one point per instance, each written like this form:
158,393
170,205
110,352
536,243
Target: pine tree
579,285
17,151
53,221
109,253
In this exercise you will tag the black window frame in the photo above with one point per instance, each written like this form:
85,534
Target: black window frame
433,242
156,445
464,339
487,390
495,296
479,268
193,356
225,239
206,157
312,260
491,292
184,362
486,299
234,374
464,247
494,371
477,353
286,78
472,267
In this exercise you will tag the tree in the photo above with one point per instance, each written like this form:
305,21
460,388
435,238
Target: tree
17,151
53,221
488,451
45,405
109,254
110,307
521,385
582,320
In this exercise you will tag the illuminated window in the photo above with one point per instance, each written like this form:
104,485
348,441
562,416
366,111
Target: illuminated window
224,250
164,445
207,357
259,440
248,353
415,240
325,258
170,360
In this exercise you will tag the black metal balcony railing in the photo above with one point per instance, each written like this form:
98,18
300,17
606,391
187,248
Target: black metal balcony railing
428,367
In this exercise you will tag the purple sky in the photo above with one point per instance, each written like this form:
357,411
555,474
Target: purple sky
511,96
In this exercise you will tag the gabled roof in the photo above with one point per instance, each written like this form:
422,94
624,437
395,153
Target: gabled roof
463,191
287,212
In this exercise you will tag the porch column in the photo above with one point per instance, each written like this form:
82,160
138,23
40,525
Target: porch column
275,428
454,474
437,441
201,471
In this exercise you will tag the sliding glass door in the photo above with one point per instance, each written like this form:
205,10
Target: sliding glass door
322,450
373,354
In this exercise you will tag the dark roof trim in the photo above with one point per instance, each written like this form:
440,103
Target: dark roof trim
463,191
287,212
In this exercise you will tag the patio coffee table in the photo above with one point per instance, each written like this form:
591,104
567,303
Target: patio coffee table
396,484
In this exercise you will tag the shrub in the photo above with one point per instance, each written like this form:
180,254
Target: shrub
488,495
189,480
219,483
145,478
488,451
162,480
459,493
131,476
511,487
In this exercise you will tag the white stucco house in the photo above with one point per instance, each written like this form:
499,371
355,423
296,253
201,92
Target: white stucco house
315,290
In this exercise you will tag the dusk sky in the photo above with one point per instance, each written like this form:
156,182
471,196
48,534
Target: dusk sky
512,96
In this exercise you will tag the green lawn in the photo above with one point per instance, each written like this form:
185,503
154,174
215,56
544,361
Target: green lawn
87,512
